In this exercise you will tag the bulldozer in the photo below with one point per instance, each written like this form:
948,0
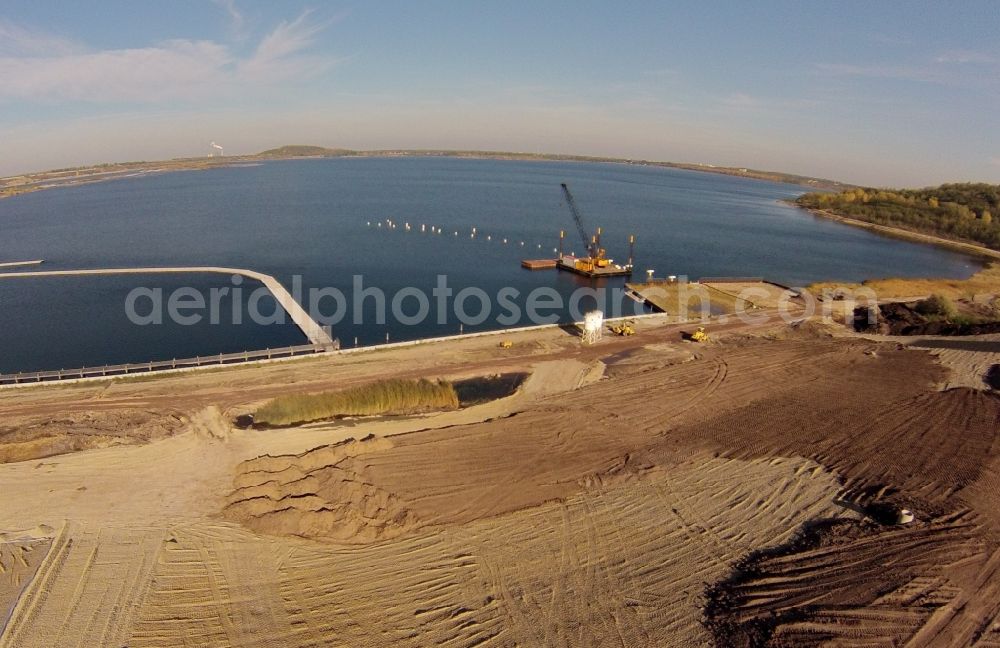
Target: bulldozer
624,329
700,335
506,344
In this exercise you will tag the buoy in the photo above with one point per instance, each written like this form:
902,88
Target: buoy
488,237
368,223
505,241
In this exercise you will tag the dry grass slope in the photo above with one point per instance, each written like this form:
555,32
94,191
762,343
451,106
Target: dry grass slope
986,281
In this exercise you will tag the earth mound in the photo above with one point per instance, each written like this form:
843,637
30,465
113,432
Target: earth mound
321,494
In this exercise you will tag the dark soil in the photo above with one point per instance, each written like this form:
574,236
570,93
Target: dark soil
993,377
903,319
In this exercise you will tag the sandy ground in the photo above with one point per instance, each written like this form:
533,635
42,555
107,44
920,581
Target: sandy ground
968,358
641,492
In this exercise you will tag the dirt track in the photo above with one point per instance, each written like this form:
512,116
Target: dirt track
583,511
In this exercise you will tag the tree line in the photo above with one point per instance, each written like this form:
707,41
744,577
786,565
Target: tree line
962,211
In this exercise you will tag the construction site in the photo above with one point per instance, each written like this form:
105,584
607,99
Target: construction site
761,483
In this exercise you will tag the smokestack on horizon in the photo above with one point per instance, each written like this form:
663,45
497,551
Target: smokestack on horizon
221,151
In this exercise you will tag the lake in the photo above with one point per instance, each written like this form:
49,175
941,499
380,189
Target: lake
315,224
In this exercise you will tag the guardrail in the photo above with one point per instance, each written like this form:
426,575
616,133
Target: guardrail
159,365
108,371
705,280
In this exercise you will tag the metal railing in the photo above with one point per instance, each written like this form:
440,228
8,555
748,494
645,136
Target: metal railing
161,365
705,280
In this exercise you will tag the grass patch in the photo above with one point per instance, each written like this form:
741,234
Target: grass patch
936,305
384,397
688,300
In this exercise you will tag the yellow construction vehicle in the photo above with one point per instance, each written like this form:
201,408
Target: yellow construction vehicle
506,344
700,335
624,329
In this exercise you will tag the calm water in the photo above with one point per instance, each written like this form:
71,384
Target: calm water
310,218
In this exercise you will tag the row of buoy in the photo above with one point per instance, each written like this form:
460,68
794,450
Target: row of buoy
388,223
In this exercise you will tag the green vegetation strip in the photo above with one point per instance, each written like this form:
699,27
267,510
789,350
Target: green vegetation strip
384,397
962,212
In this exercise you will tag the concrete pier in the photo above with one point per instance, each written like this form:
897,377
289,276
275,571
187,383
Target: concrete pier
310,327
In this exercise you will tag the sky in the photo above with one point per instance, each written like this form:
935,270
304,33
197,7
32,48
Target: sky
875,93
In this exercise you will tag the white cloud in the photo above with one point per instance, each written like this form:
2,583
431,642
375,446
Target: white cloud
742,101
280,52
34,67
879,71
236,20
966,56
947,69
16,40
147,74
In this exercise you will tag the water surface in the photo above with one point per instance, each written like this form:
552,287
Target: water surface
316,219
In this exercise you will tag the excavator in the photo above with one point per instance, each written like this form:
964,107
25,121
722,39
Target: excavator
700,335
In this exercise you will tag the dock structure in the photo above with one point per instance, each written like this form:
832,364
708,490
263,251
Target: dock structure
316,334
15,264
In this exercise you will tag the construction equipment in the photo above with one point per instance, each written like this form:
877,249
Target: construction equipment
700,335
592,244
506,344
595,263
624,329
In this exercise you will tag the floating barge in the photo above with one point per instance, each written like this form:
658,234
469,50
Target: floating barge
539,264
583,267
587,268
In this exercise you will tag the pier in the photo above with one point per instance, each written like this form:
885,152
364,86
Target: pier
316,334
14,264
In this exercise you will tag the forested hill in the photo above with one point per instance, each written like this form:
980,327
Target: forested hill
966,212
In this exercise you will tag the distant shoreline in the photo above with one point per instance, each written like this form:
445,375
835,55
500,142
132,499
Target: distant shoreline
51,179
897,232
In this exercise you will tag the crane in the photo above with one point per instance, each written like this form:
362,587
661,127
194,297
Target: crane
595,253
587,243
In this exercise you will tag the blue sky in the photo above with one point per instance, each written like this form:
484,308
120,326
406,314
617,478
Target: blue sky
886,93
